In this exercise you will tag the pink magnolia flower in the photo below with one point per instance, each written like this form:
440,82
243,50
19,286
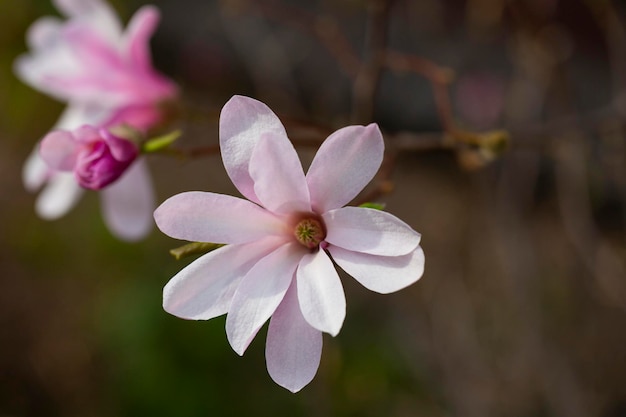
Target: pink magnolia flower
96,156
90,61
106,77
277,262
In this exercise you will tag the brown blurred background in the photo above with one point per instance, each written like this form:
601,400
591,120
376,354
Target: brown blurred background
522,308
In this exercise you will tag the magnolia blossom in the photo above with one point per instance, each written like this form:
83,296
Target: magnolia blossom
89,62
105,76
280,241
96,156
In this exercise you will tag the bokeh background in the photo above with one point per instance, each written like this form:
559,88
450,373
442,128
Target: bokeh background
521,310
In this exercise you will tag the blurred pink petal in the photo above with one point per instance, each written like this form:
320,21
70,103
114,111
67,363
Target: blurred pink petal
58,150
138,33
61,193
293,349
128,203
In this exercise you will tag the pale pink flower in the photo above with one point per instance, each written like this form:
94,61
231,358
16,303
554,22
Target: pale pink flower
105,75
95,156
277,262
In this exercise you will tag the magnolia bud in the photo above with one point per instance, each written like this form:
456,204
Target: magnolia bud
96,156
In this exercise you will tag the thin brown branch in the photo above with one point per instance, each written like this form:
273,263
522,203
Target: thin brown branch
368,77
439,77
323,28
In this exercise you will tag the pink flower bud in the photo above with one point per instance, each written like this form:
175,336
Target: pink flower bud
96,156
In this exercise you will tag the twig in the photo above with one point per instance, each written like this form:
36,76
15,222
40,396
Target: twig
368,77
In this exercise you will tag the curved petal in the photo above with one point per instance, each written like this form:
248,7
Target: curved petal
43,33
41,70
279,181
77,115
382,274
345,163
209,217
259,293
243,121
58,150
127,204
138,33
96,13
35,171
369,231
322,301
205,288
293,349
58,197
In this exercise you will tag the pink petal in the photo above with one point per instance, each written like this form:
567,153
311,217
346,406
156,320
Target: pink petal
345,163
95,13
382,274
205,288
127,204
293,349
208,217
87,134
58,149
138,33
259,293
58,197
279,181
243,122
321,296
369,231
41,69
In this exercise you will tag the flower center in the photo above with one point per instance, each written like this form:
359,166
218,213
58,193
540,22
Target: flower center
309,232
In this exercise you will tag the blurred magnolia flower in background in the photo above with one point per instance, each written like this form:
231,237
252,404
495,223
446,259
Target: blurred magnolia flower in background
277,260
105,76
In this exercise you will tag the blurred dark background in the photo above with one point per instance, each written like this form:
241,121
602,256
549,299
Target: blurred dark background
522,308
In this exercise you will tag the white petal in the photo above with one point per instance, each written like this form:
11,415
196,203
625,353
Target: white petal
320,293
35,171
95,13
58,197
278,177
43,33
77,115
218,218
293,348
259,293
345,163
369,231
243,121
127,204
382,274
205,288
